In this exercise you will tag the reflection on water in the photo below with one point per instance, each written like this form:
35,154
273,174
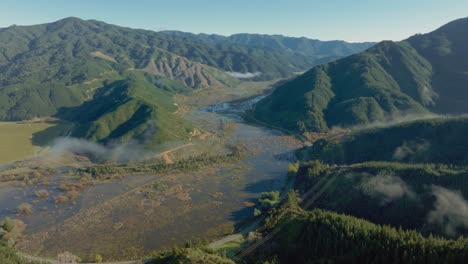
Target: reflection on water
126,218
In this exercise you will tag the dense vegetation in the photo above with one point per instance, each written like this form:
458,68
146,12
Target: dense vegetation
425,73
405,183
10,231
110,170
319,236
189,255
411,196
437,140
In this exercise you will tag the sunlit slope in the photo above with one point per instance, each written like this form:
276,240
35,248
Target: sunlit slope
425,73
134,108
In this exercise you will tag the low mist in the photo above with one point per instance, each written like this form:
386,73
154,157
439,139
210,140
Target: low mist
410,149
386,187
450,210
246,75
130,151
397,120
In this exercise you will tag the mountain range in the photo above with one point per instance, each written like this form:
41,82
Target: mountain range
56,68
426,73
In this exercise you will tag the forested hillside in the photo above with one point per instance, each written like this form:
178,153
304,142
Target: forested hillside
429,198
435,140
425,73
320,236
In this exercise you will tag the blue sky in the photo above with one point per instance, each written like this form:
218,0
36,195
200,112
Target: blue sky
351,20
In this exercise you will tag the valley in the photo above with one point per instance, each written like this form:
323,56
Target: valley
178,206
124,145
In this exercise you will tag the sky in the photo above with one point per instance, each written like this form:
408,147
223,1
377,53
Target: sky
350,20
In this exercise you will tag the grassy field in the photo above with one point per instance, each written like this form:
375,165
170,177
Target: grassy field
16,138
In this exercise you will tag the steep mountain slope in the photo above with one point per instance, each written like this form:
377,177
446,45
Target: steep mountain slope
446,50
392,79
304,51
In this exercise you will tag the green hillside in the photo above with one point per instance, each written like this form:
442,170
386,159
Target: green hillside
138,107
49,66
437,140
425,73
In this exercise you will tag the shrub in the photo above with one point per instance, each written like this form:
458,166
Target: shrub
61,199
25,209
257,212
67,257
73,195
42,194
268,200
11,230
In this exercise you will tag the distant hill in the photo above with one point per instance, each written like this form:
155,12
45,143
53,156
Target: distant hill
303,50
423,74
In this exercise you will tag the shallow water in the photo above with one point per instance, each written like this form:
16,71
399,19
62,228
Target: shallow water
123,219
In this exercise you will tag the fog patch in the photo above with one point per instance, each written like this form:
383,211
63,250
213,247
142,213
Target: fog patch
450,210
386,187
410,149
398,120
244,75
129,151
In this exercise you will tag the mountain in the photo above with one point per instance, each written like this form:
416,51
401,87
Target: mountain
103,70
46,67
423,74
306,51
